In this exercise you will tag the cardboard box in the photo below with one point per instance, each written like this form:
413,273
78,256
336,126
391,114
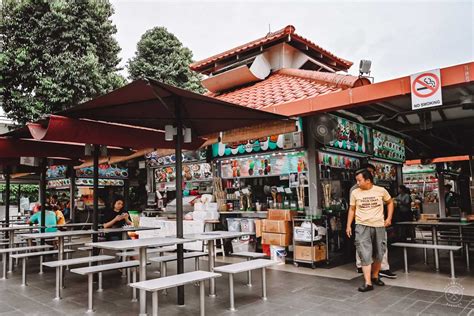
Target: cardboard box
272,226
304,253
281,215
276,239
258,228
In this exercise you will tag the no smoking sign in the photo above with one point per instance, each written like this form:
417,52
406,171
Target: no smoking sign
426,89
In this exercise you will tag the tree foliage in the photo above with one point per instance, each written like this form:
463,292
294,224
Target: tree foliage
55,54
160,55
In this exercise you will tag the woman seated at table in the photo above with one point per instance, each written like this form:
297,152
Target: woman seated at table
115,217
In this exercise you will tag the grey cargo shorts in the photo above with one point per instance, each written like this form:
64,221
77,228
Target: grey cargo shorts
371,243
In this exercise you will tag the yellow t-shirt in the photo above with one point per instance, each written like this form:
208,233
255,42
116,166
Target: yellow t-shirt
369,205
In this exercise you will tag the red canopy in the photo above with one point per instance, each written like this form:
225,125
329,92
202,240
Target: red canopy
60,128
15,148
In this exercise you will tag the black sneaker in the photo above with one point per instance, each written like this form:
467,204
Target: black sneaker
359,270
366,288
388,274
377,282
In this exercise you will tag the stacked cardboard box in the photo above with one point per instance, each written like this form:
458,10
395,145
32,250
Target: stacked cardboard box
304,252
277,228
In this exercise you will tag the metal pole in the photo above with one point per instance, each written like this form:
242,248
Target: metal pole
126,194
72,195
95,212
7,198
179,198
18,197
42,190
9,235
471,178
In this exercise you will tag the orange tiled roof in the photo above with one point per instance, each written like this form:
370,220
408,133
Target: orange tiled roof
271,37
287,85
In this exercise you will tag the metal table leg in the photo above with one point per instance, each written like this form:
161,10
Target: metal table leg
405,258
466,247
4,259
210,253
155,303
201,298
249,275
61,257
451,261
90,287
264,284
23,272
434,236
124,258
142,251
11,237
134,289
231,291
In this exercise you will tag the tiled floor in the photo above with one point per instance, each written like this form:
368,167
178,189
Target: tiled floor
288,294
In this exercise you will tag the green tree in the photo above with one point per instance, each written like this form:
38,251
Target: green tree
55,54
160,55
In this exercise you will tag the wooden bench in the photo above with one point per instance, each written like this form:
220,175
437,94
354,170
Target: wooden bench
245,266
90,271
451,249
5,251
70,262
173,281
25,256
250,256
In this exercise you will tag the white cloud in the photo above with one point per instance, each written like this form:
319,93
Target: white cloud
400,37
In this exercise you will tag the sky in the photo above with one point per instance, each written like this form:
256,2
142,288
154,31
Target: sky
399,37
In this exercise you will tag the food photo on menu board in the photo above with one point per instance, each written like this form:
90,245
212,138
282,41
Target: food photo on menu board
351,136
56,172
388,146
191,172
265,165
105,171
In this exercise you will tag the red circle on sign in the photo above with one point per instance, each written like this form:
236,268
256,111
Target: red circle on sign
433,89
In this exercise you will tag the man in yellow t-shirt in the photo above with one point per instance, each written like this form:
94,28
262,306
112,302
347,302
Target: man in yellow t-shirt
366,206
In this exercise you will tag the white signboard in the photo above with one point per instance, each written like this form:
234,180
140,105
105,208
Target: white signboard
426,89
29,161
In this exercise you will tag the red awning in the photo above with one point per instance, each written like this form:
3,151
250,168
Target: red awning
60,128
15,148
152,104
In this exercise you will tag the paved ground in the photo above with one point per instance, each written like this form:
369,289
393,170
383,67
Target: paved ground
289,294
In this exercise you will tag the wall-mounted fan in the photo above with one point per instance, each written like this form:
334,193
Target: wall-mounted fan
323,128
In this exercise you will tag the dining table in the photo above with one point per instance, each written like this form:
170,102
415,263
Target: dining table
12,230
142,245
210,238
434,225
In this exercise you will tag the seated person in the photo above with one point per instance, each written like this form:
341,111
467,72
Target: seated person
60,220
115,217
50,219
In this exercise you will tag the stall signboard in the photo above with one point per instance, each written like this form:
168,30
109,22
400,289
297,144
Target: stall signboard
351,136
154,160
388,147
264,165
105,172
384,171
430,168
272,143
82,182
338,161
56,172
191,172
